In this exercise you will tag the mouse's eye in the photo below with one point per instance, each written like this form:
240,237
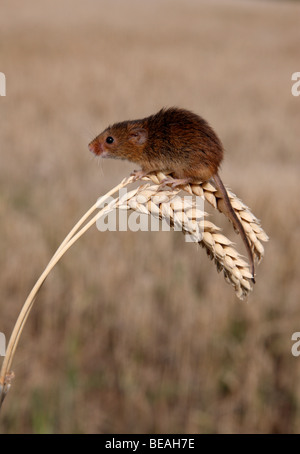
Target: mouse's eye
109,139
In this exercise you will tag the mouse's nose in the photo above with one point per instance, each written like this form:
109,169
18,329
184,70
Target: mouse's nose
96,147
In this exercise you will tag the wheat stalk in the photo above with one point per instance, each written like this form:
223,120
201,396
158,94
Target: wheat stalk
6,376
165,204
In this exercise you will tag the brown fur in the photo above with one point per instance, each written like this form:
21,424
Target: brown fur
177,140
173,140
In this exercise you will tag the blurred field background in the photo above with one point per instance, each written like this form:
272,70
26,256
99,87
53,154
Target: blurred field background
136,332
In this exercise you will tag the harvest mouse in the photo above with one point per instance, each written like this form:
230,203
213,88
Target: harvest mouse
173,140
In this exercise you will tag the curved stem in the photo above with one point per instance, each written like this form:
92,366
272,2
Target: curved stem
70,239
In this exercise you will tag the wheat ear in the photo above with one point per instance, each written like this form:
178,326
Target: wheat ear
164,204
151,200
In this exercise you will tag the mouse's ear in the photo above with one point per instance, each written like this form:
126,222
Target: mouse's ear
138,136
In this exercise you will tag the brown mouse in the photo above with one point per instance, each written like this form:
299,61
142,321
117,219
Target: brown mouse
173,140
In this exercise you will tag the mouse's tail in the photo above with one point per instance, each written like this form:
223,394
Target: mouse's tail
231,214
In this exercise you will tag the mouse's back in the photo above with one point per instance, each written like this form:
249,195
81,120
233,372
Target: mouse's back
182,137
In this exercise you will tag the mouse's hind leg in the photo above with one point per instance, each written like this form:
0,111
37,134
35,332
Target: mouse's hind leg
174,182
183,176
138,174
